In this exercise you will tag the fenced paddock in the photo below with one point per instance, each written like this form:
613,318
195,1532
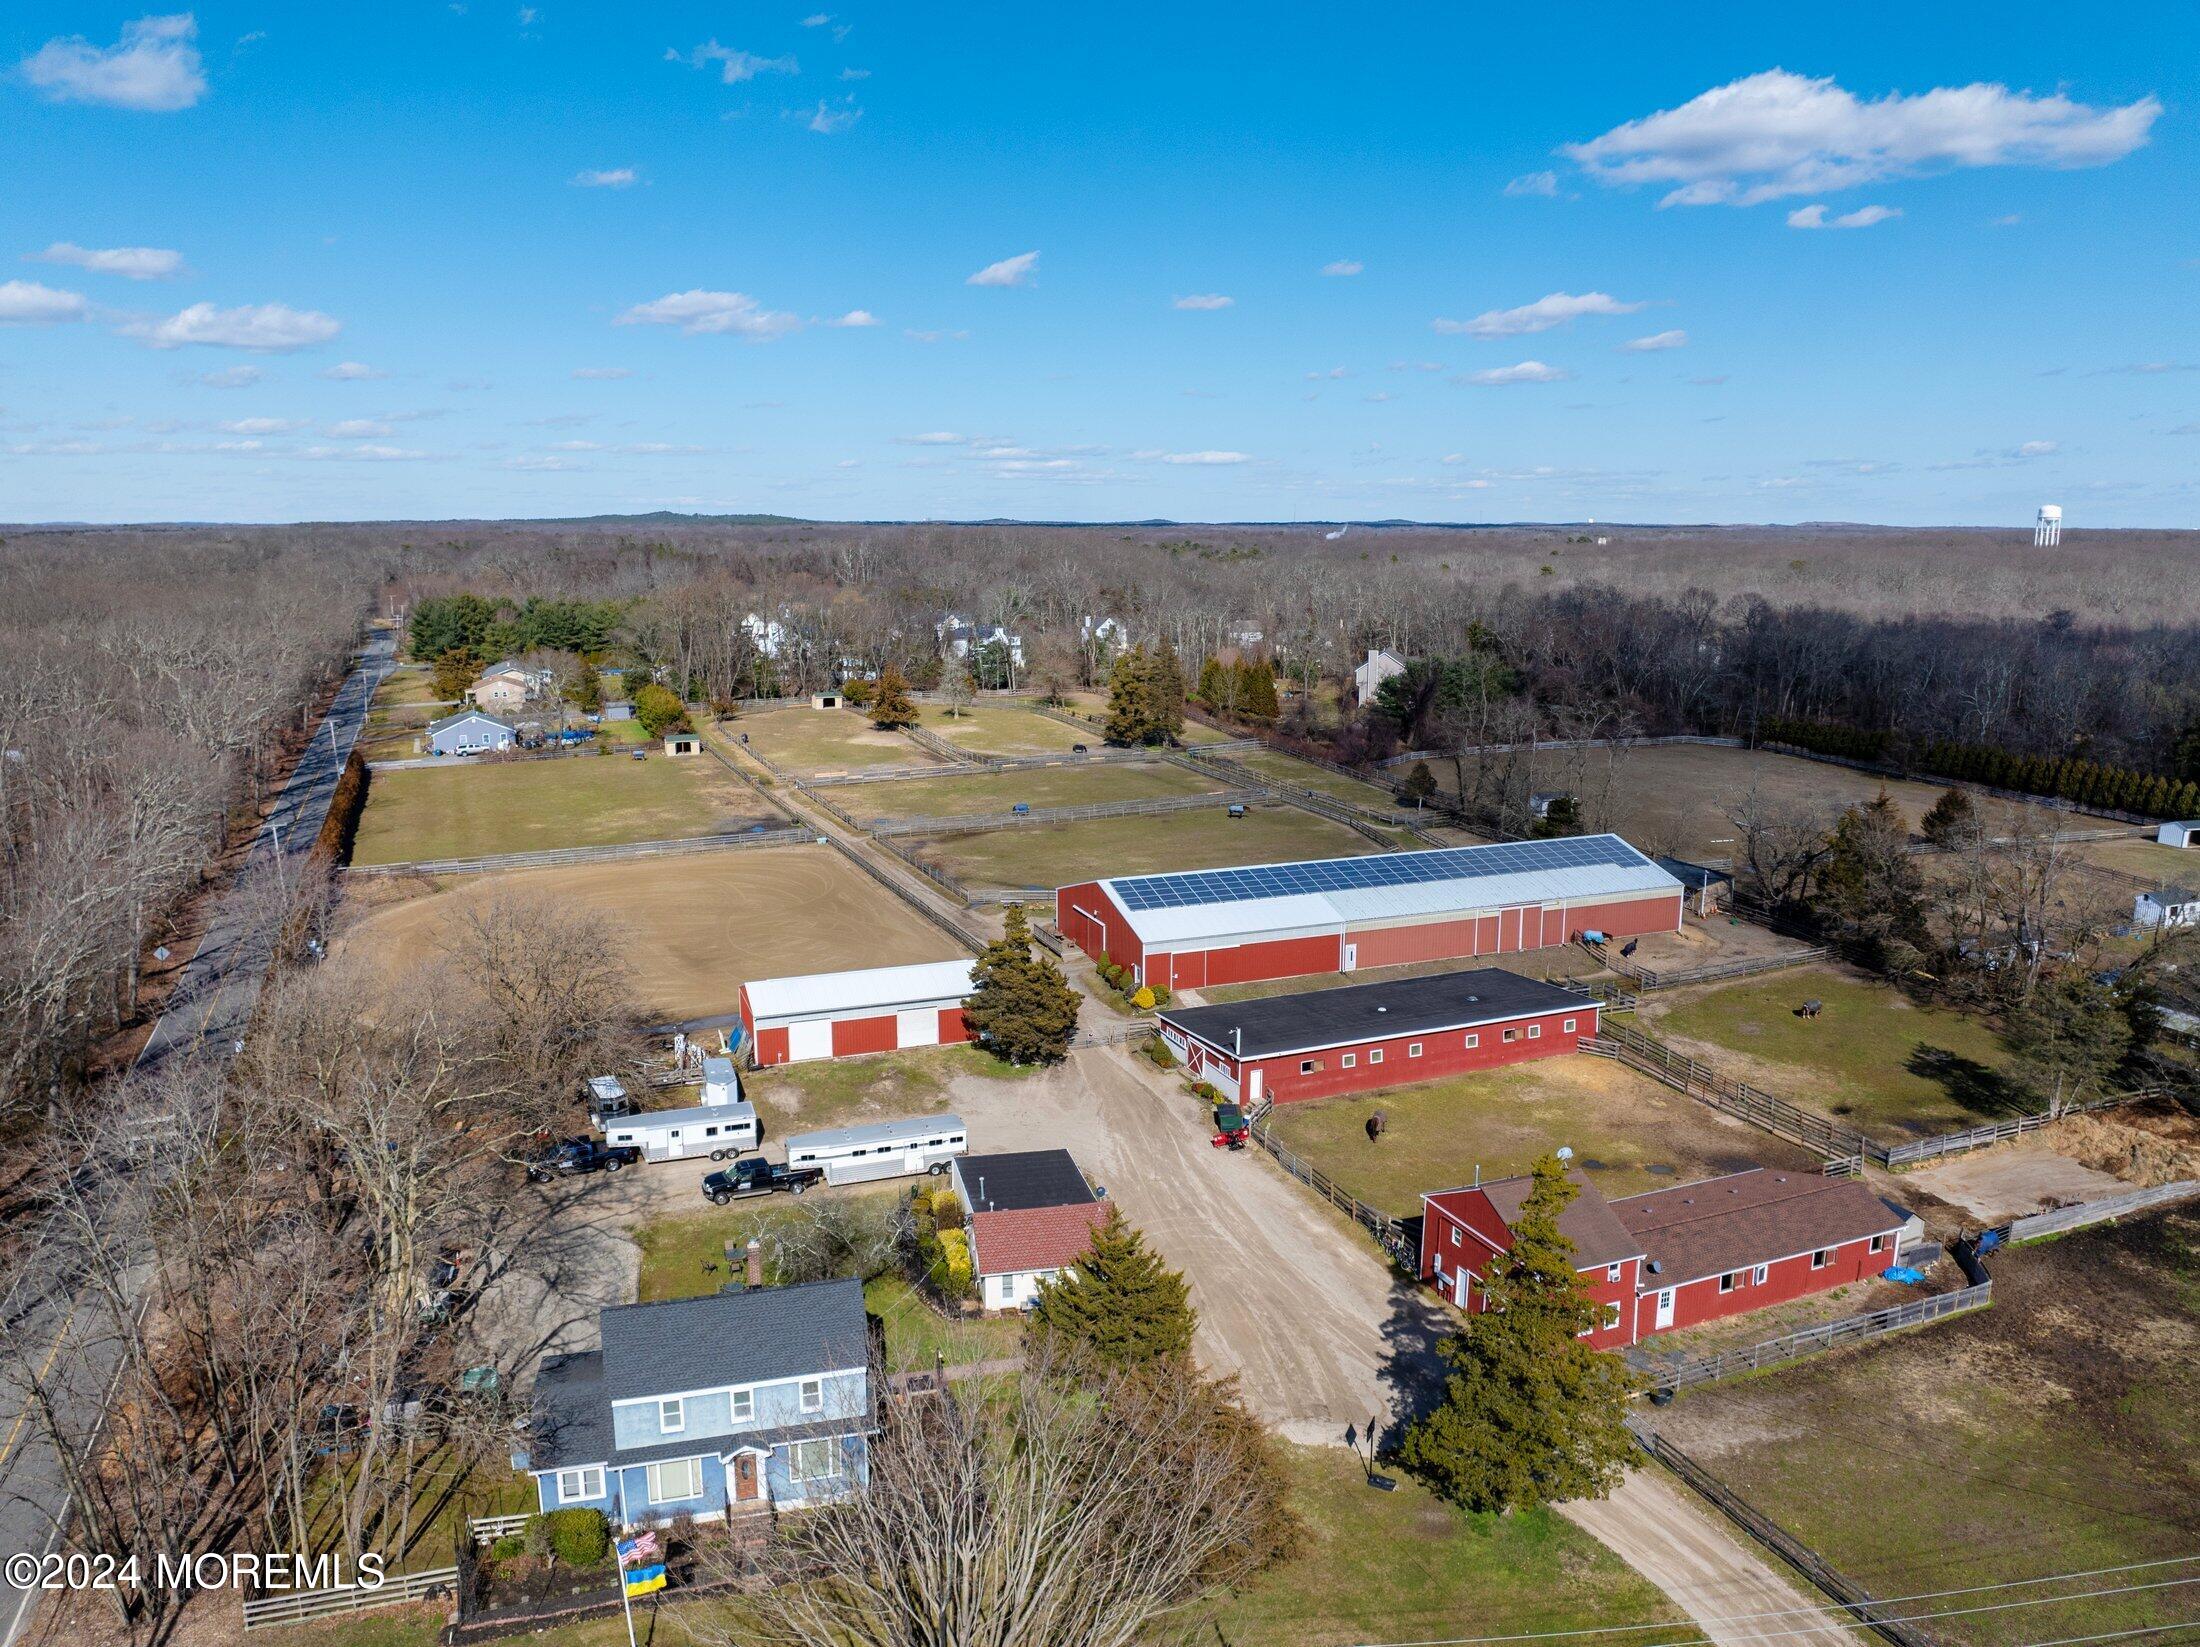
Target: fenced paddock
1389,1232
2063,1219
1742,966
302,1606
1794,1346
588,854
968,824
1737,1098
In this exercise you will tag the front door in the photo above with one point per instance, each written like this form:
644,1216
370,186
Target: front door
1665,1308
1252,1089
1351,957
744,1475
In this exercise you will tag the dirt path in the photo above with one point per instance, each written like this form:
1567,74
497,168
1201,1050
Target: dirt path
1658,1529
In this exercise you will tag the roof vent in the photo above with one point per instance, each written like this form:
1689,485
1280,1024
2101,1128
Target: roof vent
1382,1009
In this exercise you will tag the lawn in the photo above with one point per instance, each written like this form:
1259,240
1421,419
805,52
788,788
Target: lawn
2148,859
408,683
1041,786
1051,855
841,1092
818,742
1003,729
2049,1434
1404,1566
445,1492
1873,1057
465,811
1627,1132
1289,769
685,1257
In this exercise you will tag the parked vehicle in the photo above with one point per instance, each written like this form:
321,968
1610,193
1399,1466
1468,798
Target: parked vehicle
1231,1128
576,1156
882,1149
753,1175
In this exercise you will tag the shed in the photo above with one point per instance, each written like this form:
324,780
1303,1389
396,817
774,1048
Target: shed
2166,907
825,700
840,1014
2184,832
1701,882
683,743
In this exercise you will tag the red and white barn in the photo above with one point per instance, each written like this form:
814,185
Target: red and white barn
1675,1258
839,1014
1233,926
1319,1043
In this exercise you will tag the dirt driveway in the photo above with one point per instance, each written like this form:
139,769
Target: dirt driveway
1290,1298
2014,1180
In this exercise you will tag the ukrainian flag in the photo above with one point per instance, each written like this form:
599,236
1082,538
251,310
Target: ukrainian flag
641,1581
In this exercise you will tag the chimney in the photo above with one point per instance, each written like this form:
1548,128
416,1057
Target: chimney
756,1262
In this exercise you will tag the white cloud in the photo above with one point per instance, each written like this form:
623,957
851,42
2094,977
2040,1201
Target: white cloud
261,426
1814,217
360,428
828,118
153,68
130,262
1343,266
267,327
1205,300
935,437
1010,271
1544,184
1416,365
602,374
713,313
361,454
2008,220
233,377
1675,339
855,317
1778,134
1333,372
351,371
917,334
734,66
1527,371
855,74
1553,309
614,177
817,20
2038,448
26,303
1206,459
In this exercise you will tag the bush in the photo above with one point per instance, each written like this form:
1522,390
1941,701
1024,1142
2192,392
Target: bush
1207,1092
1160,994
508,1547
577,1537
1157,1050
1143,1000
858,693
951,1273
947,1210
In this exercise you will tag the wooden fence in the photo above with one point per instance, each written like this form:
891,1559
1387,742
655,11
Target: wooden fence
298,1606
2099,1212
1894,1156
1722,1092
1742,966
1866,1610
784,836
976,823
1794,1346
1389,1232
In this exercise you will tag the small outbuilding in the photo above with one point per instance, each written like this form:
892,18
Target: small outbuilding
1699,881
2166,907
2184,832
470,732
825,700
1323,1042
840,1014
683,743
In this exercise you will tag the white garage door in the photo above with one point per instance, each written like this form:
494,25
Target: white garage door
814,1040
917,1029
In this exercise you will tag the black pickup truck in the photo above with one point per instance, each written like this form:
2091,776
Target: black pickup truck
753,1175
578,1155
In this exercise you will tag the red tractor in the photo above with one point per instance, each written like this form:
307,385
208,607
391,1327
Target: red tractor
1231,1128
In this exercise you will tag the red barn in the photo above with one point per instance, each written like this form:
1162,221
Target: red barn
1675,1258
1323,1042
838,1014
1233,926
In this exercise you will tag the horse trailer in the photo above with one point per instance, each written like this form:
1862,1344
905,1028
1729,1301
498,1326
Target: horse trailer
886,1149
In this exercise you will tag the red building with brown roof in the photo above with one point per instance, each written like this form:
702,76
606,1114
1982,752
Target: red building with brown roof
1674,1258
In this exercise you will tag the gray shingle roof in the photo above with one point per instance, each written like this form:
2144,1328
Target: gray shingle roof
1023,1179
733,1338
572,1423
468,715
1367,1012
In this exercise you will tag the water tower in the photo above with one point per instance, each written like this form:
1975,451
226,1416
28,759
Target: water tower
2047,530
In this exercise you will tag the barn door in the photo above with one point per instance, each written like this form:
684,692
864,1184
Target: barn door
1665,1308
918,1029
1351,958
811,1040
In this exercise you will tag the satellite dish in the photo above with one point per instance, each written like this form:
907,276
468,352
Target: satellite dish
1565,1152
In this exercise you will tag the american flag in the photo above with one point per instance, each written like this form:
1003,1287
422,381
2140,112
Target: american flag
641,1547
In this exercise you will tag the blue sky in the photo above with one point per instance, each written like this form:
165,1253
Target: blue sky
1912,265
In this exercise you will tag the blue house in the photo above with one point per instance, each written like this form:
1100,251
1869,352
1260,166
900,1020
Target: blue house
469,732
743,1400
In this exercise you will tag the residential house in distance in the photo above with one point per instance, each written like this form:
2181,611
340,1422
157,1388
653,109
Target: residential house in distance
769,636
1031,1217
470,732
2184,832
1104,637
1678,1257
960,636
744,1400
1368,678
507,685
2166,907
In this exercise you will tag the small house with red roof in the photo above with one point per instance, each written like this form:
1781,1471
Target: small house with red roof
1678,1257
1031,1217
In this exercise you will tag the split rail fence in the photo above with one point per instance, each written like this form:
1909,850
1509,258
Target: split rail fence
1722,1092
587,854
2100,1212
1794,1346
977,823
299,1606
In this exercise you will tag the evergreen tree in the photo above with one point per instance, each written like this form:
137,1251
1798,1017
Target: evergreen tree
2184,755
2070,1037
891,705
1871,885
1951,820
1121,1303
1168,697
1419,784
1256,690
1130,698
1214,688
453,673
586,692
1530,1414
1021,1007
660,710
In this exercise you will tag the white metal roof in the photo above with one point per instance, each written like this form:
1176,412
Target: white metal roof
875,989
908,1131
657,1120
1448,881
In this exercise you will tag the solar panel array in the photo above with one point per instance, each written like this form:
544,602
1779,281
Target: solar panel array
1454,863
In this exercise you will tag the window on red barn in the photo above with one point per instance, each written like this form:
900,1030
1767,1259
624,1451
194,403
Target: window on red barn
1474,1040
1757,1275
1375,1055
1821,1258
1413,1049
1349,1060
1535,1032
1729,1281
1879,1243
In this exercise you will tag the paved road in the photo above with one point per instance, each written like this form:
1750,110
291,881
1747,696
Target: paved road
211,1004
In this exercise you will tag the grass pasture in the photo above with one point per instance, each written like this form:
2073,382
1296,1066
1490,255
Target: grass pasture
698,925
1627,1132
468,811
2148,859
819,743
1037,787
1050,855
1003,729
2051,1433
1873,1057
408,684
1273,763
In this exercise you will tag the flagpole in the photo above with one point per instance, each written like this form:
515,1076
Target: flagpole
626,1601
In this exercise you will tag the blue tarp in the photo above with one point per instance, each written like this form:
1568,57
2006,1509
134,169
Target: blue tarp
1904,1274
